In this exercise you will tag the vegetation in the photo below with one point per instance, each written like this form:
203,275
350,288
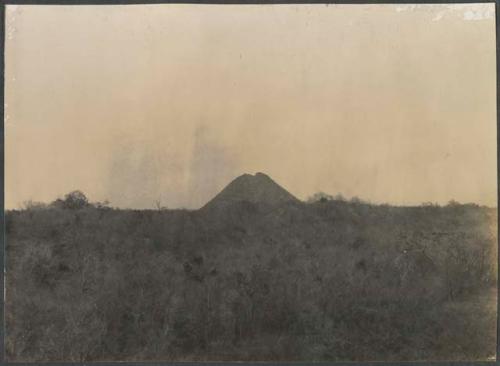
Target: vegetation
328,280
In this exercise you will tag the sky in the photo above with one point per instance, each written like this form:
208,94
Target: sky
139,103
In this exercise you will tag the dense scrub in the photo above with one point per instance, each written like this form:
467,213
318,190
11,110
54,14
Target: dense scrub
329,280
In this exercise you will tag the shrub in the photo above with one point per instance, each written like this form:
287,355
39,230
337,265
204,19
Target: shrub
73,201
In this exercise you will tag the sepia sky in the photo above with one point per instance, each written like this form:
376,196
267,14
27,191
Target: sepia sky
390,103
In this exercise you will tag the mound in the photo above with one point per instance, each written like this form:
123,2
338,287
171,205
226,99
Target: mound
256,189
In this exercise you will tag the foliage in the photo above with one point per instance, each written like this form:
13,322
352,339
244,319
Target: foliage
323,281
74,201
33,205
324,197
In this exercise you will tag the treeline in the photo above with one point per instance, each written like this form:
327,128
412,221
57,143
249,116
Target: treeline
78,200
330,280
74,200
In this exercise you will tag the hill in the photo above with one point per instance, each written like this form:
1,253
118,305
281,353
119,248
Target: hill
257,189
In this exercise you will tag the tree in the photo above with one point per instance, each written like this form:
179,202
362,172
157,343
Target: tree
320,197
74,201
356,200
339,197
102,205
453,203
33,205
159,206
